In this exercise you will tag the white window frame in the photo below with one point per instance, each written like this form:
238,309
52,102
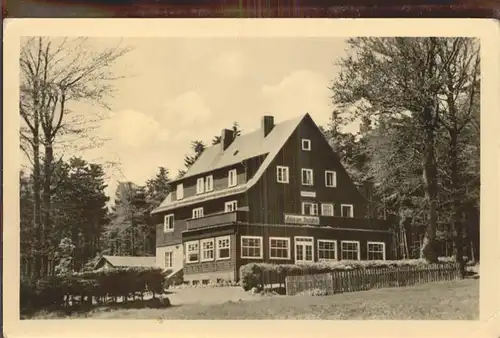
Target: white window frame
180,191
351,215
314,206
288,247
229,203
232,178
304,241
285,174
217,247
170,226
304,142
376,243
327,241
323,209
170,260
192,251
203,250
302,176
197,210
200,185
209,183
261,247
334,179
342,251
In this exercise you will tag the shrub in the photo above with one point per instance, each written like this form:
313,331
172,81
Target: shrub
54,292
258,274
251,275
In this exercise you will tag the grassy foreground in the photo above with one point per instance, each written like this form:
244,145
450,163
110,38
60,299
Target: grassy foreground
441,300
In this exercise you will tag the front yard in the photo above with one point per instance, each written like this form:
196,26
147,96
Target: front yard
440,300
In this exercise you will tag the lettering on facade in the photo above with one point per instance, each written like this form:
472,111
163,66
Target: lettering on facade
301,219
308,194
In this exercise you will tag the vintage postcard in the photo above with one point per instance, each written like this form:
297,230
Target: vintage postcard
222,170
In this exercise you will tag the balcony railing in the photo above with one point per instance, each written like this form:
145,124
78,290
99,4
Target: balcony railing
225,218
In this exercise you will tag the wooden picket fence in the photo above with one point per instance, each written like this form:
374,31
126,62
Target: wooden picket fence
373,278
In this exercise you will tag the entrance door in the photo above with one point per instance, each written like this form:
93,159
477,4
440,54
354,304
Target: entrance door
304,252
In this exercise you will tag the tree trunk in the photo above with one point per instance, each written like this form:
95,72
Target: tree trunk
47,171
428,250
37,224
132,250
457,206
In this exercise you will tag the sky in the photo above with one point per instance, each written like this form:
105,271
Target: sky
175,90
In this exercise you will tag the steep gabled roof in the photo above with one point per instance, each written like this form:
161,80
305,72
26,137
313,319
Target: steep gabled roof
243,147
129,261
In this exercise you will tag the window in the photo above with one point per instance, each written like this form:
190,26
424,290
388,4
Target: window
282,174
350,250
309,208
376,251
326,209
198,212
231,206
223,247
330,178
180,191
251,247
168,223
347,210
231,178
306,144
304,249
209,183
207,250
327,250
279,248
192,252
307,177
200,185
169,259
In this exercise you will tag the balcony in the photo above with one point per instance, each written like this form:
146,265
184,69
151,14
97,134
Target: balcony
223,218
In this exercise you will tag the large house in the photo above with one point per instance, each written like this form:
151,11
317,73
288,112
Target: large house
278,194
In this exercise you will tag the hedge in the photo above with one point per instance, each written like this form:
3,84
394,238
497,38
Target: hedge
69,290
258,274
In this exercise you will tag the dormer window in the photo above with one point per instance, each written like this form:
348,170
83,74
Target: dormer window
180,191
231,178
200,185
209,183
306,144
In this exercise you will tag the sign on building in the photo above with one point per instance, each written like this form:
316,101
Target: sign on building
308,194
302,219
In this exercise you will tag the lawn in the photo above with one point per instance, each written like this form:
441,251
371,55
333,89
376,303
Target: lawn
441,300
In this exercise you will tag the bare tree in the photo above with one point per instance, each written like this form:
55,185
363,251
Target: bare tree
55,74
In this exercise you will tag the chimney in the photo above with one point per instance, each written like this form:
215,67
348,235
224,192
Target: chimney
267,124
226,138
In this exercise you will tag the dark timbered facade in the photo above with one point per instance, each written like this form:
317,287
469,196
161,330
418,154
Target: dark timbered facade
278,194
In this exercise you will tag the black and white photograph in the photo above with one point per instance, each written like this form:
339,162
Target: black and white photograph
249,177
